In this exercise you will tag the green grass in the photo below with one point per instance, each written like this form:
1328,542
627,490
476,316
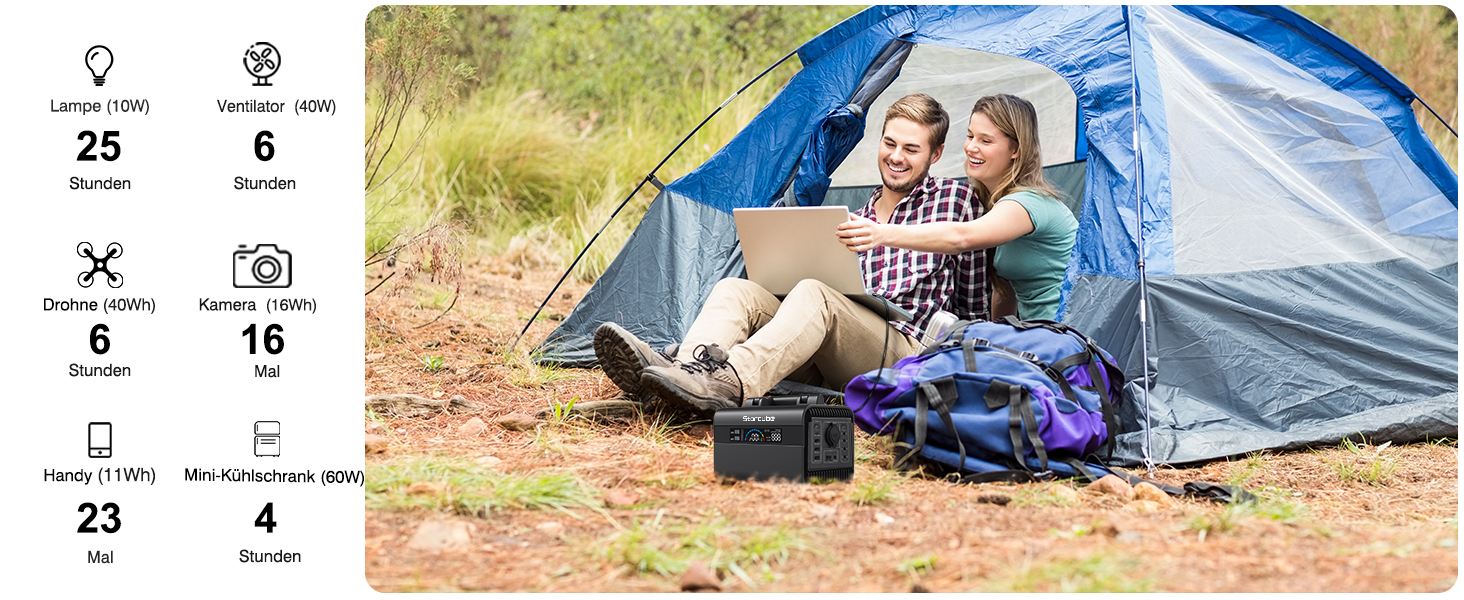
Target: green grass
876,489
460,487
921,565
561,412
1280,504
1273,503
431,364
661,428
1364,464
1241,472
1095,574
528,372
1075,532
572,108
667,548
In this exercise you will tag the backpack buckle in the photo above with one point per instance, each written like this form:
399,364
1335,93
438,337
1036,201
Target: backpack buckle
1047,475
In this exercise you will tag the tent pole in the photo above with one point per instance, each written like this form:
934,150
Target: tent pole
650,177
1143,277
1436,116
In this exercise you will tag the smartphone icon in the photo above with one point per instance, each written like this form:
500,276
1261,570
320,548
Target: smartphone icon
99,440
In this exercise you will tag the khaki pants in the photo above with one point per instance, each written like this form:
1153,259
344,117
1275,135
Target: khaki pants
816,335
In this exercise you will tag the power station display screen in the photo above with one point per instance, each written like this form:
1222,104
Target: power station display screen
755,435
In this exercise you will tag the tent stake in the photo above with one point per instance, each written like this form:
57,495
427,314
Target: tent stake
650,177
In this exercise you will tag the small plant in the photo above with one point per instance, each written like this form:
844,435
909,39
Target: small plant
920,565
1369,467
1073,533
528,373
661,428
560,412
876,490
1277,504
1224,520
436,299
548,443
1242,472
431,364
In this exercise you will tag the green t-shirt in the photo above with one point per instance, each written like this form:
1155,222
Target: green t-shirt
1034,263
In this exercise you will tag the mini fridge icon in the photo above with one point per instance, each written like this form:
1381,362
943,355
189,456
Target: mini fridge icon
266,438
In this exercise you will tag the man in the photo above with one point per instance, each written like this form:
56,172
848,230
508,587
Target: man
745,340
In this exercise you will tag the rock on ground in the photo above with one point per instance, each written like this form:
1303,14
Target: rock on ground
472,428
440,535
375,444
517,422
1112,485
1150,492
699,578
621,499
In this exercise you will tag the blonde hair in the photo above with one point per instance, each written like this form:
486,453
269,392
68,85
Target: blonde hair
923,110
1017,119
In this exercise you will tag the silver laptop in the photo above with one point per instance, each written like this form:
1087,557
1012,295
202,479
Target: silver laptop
782,246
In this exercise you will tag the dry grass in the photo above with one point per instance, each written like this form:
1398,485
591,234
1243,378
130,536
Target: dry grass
1313,532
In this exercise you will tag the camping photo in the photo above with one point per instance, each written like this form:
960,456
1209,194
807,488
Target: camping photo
790,299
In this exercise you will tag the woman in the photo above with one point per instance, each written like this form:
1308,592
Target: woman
1032,231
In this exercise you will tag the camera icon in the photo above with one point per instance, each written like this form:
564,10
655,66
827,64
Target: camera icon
266,266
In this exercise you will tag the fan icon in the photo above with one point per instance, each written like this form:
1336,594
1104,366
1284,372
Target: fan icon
262,60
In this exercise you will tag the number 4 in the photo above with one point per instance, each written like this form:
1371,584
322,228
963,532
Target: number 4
266,518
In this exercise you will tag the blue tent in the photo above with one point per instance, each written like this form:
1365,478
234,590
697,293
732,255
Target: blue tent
1267,240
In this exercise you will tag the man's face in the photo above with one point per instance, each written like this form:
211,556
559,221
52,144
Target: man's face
905,155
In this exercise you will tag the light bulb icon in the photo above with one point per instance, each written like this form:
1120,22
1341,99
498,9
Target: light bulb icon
262,60
99,60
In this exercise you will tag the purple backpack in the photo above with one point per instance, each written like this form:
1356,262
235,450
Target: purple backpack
1011,400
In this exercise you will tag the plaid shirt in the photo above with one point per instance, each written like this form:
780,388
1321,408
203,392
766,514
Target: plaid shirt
924,282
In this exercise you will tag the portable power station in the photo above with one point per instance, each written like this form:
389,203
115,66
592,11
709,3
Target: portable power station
787,437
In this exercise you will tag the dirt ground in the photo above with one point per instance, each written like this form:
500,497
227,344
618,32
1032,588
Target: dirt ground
643,505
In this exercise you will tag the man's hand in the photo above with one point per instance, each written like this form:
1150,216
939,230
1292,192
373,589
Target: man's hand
859,234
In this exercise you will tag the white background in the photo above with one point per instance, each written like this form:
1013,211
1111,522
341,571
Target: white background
192,400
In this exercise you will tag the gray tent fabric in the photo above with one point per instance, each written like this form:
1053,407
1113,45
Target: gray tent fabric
679,246
1311,356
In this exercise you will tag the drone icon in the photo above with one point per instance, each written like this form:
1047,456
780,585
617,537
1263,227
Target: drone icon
99,265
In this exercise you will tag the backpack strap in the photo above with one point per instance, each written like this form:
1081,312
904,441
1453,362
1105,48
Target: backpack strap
1019,412
968,348
937,394
1080,468
1000,477
1199,489
1094,358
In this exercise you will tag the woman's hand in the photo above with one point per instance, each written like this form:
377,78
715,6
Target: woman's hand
860,234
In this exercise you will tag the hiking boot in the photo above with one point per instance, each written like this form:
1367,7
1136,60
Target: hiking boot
623,356
700,387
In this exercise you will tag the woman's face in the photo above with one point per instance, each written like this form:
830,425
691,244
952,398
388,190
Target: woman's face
989,152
